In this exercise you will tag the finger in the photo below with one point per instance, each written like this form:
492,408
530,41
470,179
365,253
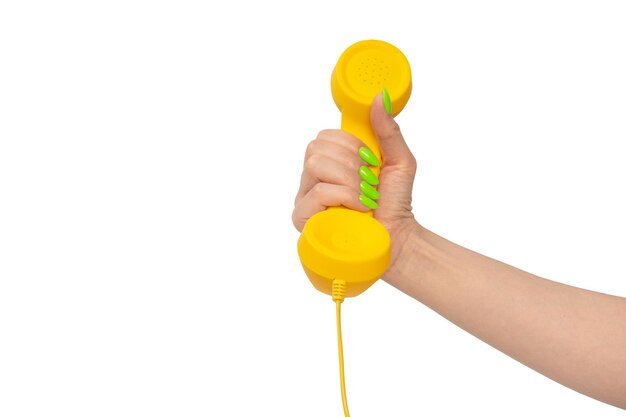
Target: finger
318,169
340,138
341,154
393,148
322,196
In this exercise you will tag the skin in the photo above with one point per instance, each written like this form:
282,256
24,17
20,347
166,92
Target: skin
574,336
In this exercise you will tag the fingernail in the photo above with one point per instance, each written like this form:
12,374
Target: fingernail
368,202
368,175
369,191
387,101
368,156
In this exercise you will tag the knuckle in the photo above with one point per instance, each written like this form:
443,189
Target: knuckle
391,133
310,148
318,191
311,163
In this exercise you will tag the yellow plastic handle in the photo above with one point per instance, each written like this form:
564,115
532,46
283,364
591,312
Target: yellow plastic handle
360,74
346,244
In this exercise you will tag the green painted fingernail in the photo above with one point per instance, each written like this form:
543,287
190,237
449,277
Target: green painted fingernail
387,101
368,156
368,175
369,191
368,202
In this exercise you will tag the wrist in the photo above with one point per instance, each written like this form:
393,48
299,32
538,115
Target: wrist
405,237
422,260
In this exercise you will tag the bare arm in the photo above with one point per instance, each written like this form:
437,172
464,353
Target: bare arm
571,335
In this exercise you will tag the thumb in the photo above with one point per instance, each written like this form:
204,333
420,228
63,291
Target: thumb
393,148
397,173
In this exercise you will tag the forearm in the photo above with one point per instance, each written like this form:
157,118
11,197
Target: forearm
574,336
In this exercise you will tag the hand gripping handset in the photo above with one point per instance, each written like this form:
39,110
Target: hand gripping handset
339,243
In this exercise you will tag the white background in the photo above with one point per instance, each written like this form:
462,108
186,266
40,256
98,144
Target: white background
149,157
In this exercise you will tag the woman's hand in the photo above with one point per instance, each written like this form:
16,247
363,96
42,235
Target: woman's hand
331,178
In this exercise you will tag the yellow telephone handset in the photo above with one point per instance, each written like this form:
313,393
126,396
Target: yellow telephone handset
339,243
